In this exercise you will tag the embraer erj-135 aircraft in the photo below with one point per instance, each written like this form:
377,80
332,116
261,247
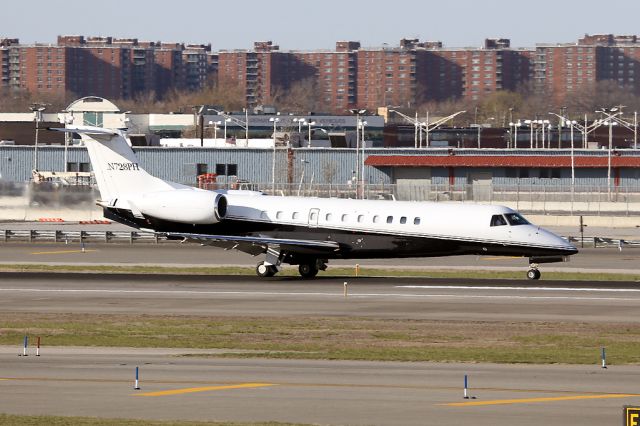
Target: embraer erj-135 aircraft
307,231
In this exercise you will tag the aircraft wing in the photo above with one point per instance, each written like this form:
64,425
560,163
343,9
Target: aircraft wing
251,245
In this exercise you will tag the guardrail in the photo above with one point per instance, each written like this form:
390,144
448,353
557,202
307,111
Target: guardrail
57,236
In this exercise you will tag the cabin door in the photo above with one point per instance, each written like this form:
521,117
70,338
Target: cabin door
314,216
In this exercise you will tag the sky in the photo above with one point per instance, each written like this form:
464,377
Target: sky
300,25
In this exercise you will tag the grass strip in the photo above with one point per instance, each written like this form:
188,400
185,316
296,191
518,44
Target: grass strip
22,420
334,271
340,338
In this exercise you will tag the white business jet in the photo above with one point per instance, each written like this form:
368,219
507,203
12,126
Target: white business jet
307,231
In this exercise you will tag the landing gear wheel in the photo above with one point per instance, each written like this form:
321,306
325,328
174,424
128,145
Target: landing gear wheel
533,274
308,270
264,271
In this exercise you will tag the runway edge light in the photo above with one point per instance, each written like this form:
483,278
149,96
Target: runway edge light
136,386
24,347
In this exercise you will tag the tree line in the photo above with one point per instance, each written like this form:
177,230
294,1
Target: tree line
496,109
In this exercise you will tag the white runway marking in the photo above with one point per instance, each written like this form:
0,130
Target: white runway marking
462,287
315,294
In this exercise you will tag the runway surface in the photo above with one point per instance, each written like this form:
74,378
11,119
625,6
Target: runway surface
176,254
95,383
99,381
423,298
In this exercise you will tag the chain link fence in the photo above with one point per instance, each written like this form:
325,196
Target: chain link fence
530,198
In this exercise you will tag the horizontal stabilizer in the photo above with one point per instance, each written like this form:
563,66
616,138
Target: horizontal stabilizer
87,130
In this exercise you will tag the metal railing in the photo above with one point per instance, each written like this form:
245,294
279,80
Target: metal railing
58,236
125,237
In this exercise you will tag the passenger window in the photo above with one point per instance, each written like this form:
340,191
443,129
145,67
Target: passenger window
345,217
279,215
295,215
327,217
389,219
376,219
314,216
263,215
403,220
498,220
416,221
360,218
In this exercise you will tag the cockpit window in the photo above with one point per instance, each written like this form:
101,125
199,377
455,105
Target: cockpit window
498,220
515,219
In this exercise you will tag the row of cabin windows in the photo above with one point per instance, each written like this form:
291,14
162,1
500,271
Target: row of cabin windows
345,218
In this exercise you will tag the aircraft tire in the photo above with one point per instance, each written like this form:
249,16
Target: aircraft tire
308,270
265,271
533,274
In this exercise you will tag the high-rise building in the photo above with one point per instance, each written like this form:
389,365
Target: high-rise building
561,70
349,76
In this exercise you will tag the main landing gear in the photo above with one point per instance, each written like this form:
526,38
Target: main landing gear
264,271
308,268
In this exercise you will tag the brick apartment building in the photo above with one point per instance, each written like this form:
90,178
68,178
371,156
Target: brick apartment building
103,66
357,77
350,76
563,69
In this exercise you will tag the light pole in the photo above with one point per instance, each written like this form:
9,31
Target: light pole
358,112
304,162
543,122
611,123
571,124
246,127
611,114
37,109
362,124
300,122
215,130
310,123
515,132
530,123
226,120
67,137
273,159
426,128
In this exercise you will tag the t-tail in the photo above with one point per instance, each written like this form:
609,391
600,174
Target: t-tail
140,199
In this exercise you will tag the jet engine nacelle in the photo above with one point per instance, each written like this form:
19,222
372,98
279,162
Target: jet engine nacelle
184,206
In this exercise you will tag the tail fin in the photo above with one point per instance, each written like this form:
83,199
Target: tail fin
115,165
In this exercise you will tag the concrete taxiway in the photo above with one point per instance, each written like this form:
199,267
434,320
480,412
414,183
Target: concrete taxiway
99,382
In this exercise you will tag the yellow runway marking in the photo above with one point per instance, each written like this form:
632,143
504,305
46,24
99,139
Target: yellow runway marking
543,399
62,251
204,389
